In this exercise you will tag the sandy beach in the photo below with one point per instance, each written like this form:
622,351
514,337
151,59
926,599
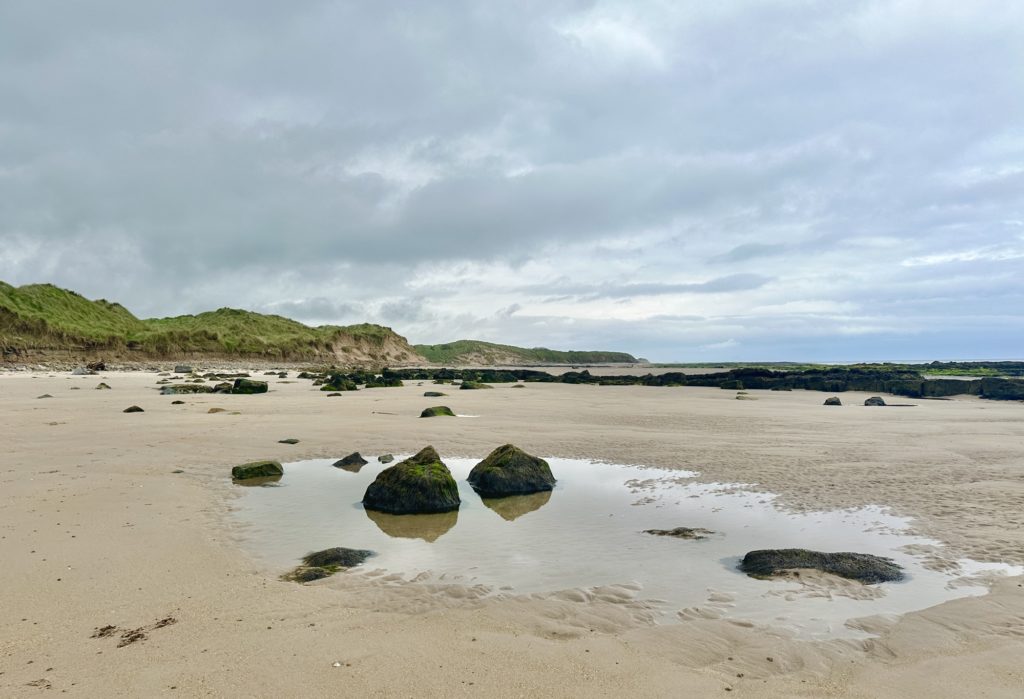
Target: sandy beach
124,520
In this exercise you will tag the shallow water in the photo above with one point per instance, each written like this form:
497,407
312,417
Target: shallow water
589,532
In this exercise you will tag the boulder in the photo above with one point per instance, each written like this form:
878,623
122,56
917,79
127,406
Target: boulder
182,369
862,567
508,470
385,458
473,386
438,411
338,556
353,462
257,469
834,400
419,485
248,386
874,400
133,409
102,387
96,366
433,394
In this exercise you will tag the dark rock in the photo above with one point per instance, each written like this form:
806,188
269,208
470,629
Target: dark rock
182,369
96,366
102,386
834,400
438,411
184,389
47,395
82,371
334,395
863,567
133,409
874,400
518,385
248,386
211,411
257,469
682,533
282,375
385,458
419,485
290,440
353,462
338,556
223,387
177,402
508,470
433,394
473,386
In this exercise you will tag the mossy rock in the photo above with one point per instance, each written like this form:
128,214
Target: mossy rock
102,387
473,386
419,485
692,533
257,469
438,411
508,470
834,400
386,458
433,394
862,567
249,387
353,462
322,564
180,389
133,409
874,400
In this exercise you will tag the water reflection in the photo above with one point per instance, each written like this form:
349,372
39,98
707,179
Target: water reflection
351,467
267,482
427,527
515,506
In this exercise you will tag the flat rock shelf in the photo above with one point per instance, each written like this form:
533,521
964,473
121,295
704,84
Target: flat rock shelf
589,531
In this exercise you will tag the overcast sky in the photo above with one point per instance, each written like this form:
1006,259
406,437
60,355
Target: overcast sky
683,180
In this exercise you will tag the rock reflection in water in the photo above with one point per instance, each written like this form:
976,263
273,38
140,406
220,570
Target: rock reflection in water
430,528
515,506
267,482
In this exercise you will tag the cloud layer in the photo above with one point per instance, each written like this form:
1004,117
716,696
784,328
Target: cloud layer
809,180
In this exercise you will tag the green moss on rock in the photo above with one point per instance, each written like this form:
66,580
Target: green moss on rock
419,485
438,411
473,386
257,469
508,470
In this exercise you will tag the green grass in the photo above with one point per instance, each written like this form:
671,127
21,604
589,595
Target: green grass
461,350
43,315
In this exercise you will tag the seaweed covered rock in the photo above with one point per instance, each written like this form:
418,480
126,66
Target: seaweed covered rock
834,400
694,533
248,386
102,387
433,394
419,485
862,567
438,411
257,469
508,470
133,409
180,389
874,400
353,462
473,386
385,458
322,564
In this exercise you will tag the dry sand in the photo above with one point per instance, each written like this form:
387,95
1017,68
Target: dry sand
98,529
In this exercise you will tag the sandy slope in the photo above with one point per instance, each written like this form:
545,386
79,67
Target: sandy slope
97,529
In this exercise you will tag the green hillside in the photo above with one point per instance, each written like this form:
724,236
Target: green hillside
45,317
479,352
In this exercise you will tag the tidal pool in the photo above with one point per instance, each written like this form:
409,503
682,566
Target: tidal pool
589,532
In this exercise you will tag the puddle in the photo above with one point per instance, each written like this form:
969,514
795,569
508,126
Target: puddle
589,532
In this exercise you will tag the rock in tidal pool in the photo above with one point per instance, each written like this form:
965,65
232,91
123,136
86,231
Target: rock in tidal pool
257,469
862,567
508,470
874,400
353,462
438,411
695,533
133,409
421,484
834,400
385,458
322,564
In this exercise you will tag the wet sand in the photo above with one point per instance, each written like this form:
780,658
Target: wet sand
98,530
